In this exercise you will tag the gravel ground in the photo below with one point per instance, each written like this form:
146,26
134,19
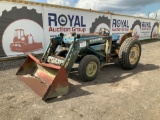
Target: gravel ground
116,94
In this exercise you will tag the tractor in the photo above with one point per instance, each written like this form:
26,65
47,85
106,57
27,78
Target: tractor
48,76
24,43
136,34
155,34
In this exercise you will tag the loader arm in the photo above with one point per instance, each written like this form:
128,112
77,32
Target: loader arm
72,56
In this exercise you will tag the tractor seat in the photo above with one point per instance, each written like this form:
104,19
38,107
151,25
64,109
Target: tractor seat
115,37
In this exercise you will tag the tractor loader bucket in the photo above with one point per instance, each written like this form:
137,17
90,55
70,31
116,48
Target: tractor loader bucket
47,80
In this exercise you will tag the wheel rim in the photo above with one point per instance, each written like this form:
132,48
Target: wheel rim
134,54
91,69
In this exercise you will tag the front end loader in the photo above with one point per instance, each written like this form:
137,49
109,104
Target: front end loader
48,76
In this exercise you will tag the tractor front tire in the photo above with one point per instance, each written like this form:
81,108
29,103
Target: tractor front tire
129,53
89,68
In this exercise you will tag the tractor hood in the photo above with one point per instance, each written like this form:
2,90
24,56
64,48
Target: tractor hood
68,39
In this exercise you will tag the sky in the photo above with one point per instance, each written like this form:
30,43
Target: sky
129,7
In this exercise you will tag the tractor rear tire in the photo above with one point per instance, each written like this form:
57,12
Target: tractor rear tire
129,53
89,68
